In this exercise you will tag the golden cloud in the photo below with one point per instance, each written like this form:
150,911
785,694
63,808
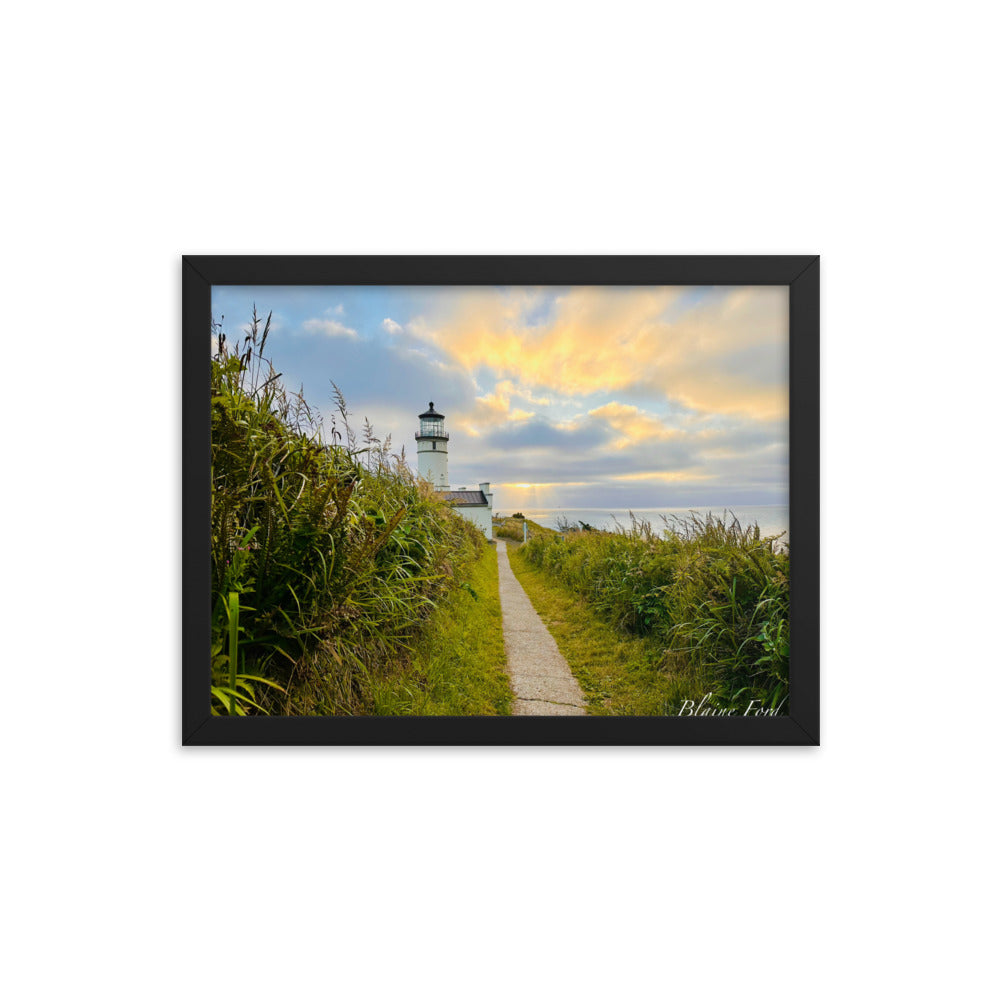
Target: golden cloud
726,354
493,409
633,424
679,476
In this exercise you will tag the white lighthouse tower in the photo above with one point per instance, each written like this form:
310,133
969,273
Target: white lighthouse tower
432,464
432,449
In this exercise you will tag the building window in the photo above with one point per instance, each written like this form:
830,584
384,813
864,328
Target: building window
434,446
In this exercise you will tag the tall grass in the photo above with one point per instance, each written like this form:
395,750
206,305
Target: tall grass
713,593
620,673
459,664
327,554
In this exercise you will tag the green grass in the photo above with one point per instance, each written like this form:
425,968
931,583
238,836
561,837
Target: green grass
511,529
328,556
708,592
619,674
459,663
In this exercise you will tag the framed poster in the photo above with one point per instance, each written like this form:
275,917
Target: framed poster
501,500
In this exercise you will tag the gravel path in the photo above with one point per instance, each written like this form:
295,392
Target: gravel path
539,675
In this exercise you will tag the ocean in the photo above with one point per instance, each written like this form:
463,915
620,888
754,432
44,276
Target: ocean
772,518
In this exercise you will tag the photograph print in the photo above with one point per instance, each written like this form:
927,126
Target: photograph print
488,501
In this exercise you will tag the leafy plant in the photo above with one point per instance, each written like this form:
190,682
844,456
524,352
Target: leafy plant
237,694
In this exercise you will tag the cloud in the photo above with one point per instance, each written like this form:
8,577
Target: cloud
633,424
724,352
494,409
510,388
581,461
523,441
584,396
665,477
329,327
387,385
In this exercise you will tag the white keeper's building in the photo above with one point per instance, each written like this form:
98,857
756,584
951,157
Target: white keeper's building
432,464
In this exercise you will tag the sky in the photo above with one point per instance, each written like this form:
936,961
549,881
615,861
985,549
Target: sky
586,396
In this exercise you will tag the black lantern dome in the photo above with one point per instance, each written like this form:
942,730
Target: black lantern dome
431,425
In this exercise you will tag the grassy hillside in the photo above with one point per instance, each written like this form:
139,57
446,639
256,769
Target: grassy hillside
458,666
328,557
512,528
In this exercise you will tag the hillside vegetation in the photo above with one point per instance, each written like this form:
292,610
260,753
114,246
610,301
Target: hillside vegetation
620,673
459,662
328,558
711,594
512,528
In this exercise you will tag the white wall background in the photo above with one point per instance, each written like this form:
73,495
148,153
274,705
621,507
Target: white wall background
135,868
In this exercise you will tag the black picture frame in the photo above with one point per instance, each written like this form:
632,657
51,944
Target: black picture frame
799,728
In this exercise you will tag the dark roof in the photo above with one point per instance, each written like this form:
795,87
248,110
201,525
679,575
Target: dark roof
432,413
465,498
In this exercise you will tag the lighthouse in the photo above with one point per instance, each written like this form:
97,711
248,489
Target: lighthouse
432,464
432,449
